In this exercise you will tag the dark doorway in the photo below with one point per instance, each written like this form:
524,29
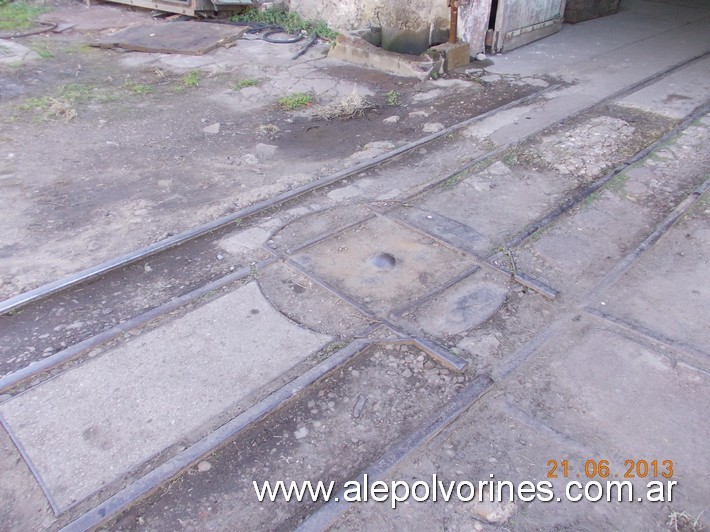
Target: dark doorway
494,12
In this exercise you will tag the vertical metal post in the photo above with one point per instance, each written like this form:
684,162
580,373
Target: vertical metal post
454,21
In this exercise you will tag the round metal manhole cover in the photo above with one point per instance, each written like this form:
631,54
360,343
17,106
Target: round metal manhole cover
384,261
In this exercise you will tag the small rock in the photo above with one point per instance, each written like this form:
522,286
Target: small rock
407,373
433,127
490,78
418,114
250,159
499,168
494,512
392,119
265,151
301,433
212,129
480,57
220,257
359,405
482,346
204,466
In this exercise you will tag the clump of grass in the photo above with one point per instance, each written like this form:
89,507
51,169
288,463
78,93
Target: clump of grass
77,92
291,22
50,108
35,102
15,16
43,52
140,89
191,79
243,84
296,100
62,104
392,98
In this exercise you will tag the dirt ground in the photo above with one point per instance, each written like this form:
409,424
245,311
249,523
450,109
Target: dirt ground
104,151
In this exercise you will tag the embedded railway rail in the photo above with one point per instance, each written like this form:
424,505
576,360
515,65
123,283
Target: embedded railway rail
188,259
86,287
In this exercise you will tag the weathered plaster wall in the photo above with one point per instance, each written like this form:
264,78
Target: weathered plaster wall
353,14
473,23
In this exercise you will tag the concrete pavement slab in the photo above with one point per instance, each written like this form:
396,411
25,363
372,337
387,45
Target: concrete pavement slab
383,265
334,430
13,53
464,306
496,438
676,96
589,395
93,424
510,201
306,302
588,43
625,401
600,57
581,247
24,506
667,291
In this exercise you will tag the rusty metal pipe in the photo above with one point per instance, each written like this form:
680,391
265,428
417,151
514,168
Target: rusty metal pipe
453,21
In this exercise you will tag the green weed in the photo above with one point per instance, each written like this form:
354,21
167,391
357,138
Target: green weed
15,16
454,180
140,89
291,22
245,83
63,103
43,52
295,101
393,98
191,79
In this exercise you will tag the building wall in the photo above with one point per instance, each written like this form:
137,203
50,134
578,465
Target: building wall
354,14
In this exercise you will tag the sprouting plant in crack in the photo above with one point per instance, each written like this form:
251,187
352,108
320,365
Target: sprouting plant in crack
191,79
511,260
244,83
392,98
332,348
295,101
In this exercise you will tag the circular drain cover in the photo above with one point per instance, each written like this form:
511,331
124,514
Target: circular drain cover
384,261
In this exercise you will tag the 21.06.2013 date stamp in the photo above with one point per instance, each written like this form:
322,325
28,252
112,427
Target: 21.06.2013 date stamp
602,469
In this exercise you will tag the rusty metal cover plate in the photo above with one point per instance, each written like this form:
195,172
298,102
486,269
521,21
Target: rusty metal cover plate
182,37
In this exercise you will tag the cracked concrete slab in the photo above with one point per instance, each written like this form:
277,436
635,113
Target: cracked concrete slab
667,290
624,401
92,425
516,199
675,96
13,53
462,307
24,505
384,265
